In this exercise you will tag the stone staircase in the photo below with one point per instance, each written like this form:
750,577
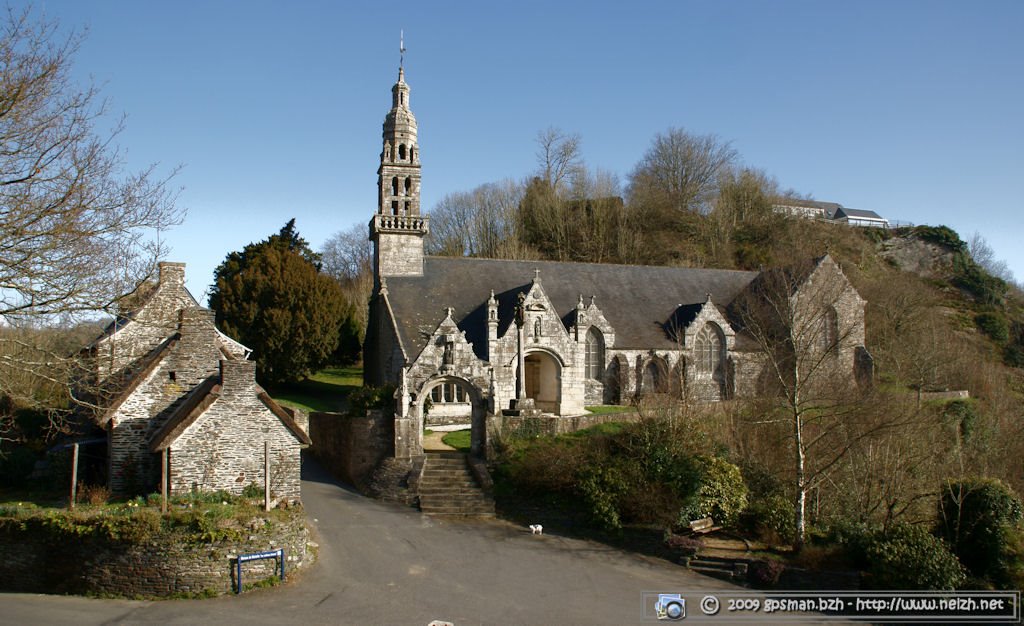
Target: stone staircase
448,486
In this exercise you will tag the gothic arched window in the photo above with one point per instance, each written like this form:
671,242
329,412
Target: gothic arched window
394,186
708,349
408,184
401,151
595,354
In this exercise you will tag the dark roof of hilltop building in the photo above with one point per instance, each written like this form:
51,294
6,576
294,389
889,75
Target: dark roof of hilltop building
640,302
858,214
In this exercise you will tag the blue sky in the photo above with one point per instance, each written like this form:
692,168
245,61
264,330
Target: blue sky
912,109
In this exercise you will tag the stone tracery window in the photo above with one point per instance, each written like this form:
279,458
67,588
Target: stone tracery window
708,349
594,354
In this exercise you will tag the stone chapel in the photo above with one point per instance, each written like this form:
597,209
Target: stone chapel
466,339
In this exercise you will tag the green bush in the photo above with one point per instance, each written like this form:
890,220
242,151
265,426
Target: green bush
909,557
978,518
366,398
769,517
994,325
942,235
962,416
602,488
721,493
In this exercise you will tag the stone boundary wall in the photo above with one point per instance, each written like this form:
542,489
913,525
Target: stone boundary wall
40,558
962,394
351,447
552,425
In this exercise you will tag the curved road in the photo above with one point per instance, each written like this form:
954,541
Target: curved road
385,564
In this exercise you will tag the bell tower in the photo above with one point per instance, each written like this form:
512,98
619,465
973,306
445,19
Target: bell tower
398,229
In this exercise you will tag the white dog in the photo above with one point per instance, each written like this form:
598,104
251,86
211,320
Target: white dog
536,529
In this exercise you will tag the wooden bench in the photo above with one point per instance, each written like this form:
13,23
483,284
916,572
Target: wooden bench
703,526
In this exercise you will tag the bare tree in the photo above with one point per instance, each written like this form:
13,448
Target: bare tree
558,157
798,316
347,256
983,254
680,171
483,222
76,233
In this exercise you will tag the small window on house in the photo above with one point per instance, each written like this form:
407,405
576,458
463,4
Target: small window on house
172,375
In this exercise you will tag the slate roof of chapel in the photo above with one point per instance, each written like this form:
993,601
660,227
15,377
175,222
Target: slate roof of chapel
640,302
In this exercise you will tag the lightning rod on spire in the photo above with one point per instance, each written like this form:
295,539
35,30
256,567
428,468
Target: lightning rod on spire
401,48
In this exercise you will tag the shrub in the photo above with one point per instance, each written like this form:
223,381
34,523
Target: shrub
366,398
942,235
93,494
765,573
721,493
684,544
962,416
853,537
770,518
909,557
252,491
994,325
602,488
978,517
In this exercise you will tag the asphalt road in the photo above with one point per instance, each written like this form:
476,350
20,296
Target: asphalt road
386,564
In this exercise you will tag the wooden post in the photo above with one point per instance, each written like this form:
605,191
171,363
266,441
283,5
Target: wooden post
266,475
165,480
74,474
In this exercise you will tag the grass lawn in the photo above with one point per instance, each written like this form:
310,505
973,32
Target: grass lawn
608,409
327,390
458,439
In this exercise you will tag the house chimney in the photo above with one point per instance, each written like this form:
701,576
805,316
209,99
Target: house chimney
172,274
237,376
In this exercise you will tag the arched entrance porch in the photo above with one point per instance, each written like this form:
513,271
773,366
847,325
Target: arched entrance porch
449,392
543,380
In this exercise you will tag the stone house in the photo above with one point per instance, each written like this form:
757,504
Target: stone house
462,339
173,381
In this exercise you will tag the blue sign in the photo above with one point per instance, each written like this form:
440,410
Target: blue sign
245,558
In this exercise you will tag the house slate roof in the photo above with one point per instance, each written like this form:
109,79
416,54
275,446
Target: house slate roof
640,302
199,399
144,367
858,213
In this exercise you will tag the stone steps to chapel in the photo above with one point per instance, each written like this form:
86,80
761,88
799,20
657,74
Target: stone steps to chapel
446,490
479,509
448,487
